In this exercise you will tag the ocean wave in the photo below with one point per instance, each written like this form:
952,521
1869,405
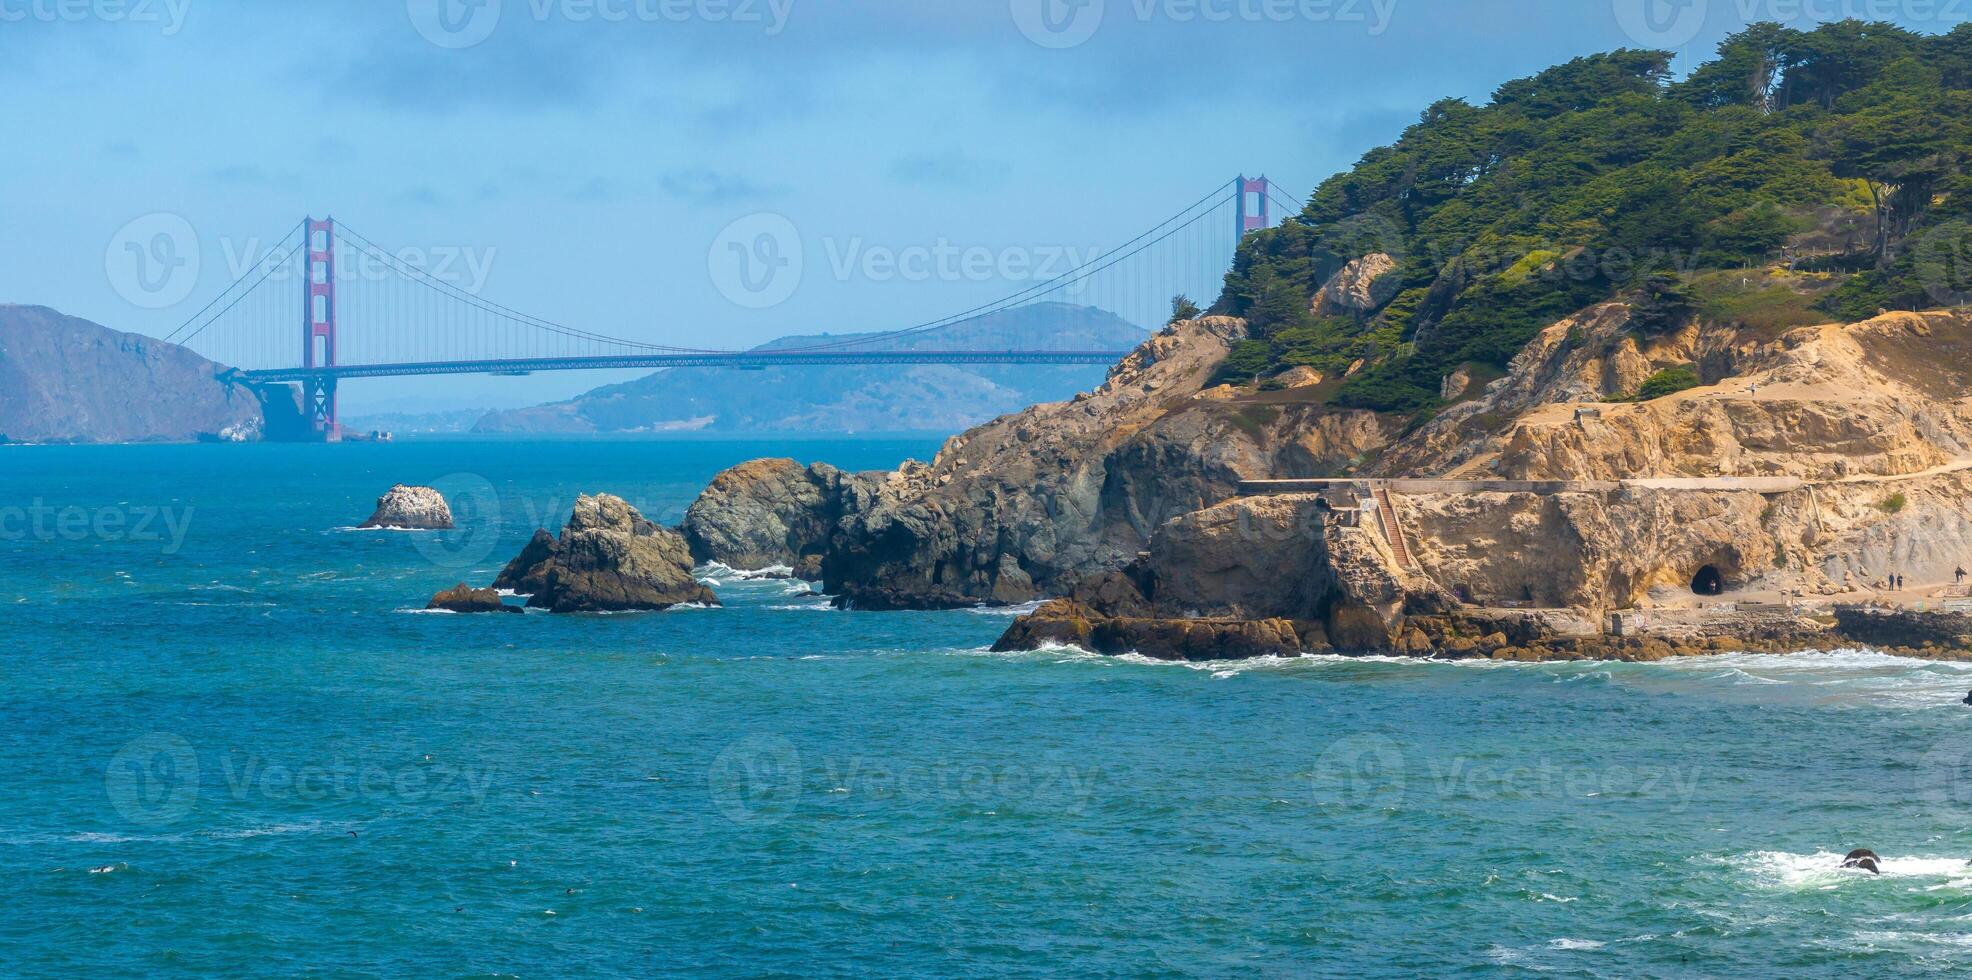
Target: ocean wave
1786,870
710,572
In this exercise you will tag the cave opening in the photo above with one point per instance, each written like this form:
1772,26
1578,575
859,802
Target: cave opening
1708,581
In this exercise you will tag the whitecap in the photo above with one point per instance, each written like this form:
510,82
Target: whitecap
1823,870
1565,943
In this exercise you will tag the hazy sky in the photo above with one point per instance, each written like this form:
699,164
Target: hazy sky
578,159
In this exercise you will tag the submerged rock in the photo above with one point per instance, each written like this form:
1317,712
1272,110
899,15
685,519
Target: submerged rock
868,598
412,509
1068,623
607,559
463,598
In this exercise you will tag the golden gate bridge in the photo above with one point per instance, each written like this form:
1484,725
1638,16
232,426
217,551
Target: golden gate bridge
401,320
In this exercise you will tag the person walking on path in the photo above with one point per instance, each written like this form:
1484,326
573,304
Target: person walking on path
1959,575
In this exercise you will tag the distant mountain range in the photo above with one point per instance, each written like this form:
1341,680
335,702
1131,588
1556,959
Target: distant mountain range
850,399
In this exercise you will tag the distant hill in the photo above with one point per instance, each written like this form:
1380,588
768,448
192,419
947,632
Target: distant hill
844,399
64,379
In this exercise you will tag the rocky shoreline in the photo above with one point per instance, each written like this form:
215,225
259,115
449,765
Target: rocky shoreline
1755,513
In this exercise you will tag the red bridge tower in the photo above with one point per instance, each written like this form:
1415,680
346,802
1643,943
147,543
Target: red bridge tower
318,332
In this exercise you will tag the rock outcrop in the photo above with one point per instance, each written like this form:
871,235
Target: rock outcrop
411,508
1025,506
463,598
607,559
1360,287
768,513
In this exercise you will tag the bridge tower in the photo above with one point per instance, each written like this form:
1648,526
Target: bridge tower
318,330
1254,211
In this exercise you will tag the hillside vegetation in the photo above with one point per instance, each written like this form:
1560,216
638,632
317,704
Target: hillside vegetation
1798,177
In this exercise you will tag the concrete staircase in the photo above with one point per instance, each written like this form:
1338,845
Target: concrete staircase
1393,530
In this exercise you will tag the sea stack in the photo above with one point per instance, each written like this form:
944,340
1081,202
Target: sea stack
607,559
411,509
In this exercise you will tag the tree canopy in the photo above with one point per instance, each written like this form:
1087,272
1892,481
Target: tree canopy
1836,150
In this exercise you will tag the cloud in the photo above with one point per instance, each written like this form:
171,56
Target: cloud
700,187
953,168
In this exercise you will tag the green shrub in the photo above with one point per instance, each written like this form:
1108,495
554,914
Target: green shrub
1665,383
1894,503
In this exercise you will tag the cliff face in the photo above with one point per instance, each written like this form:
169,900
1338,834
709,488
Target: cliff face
64,379
1025,505
1812,464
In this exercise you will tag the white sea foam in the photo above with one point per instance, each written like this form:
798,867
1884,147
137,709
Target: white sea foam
1016,610
1566,943
721,570
1823,869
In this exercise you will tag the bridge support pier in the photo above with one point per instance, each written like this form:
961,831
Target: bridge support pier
318,400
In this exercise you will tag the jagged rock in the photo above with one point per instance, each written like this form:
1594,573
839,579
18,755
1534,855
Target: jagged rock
1299,377
608,558
1025,506
872,598
527,573
463,598
1360,287
412,509
767,512
1068,623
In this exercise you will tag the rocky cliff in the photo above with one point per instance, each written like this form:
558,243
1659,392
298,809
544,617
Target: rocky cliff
1810,464
64,379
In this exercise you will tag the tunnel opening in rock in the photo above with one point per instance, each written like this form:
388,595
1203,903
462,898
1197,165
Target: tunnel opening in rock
1708,581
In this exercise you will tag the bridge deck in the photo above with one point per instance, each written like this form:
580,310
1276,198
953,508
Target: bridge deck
738,359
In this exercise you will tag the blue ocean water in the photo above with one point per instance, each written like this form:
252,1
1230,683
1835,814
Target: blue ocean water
234,745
